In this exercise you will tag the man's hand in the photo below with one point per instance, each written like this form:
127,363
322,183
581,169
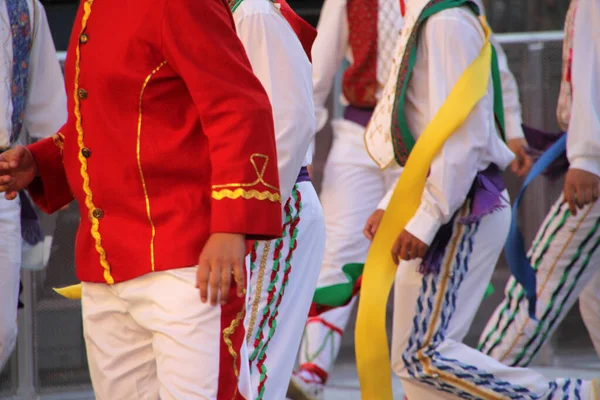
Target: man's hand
309,168
221,259
522,162
407,247
373,224
17,171
581,188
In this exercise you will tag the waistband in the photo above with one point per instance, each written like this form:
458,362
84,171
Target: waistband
360,116
303,176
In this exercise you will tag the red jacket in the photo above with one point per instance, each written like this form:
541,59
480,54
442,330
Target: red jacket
170,138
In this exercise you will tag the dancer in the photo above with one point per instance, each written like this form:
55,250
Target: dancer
564,252
284,271
169,136
364,32
323,332
450,242
33,99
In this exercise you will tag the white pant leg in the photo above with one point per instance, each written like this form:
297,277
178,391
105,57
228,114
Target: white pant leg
10,264
292,278
482,265
119,350
353,185
566,258
589,306
423,355
197,350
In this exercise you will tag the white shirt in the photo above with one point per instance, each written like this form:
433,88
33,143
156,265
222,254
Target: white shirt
332,46
46,108
281,65
449,42
583,139
510,91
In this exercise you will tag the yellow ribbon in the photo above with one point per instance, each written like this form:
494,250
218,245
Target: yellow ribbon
72,292
372,353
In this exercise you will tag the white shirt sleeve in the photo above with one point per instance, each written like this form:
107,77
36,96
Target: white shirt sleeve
510,95
46,110
583,138
281,65
329,49
450,45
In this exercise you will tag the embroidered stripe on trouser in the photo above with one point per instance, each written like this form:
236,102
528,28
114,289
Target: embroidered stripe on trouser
353,186
283,278
151,337
427,353
566,259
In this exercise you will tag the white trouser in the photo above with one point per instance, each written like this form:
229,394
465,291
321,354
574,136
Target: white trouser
565,256
10,263
432,314
284,275
353,186
151,337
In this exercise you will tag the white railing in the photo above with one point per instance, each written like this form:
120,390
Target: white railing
503,38
530,37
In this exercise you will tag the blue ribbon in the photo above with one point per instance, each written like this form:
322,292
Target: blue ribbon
514,250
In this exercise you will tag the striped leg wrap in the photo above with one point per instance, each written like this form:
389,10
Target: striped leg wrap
526,344
274,297
515,295
435,307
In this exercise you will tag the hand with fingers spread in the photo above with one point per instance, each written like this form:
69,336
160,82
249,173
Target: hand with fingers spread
17,170
407,247
581,188
373,224
522,162
221,261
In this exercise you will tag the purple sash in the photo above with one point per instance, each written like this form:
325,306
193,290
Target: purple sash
303,176
360,116
539,142
486,198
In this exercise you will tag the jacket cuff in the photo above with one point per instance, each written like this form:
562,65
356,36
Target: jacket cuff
50,190
423,226
257,219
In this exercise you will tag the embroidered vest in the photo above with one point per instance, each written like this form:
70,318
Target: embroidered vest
22,40
388,122
373,27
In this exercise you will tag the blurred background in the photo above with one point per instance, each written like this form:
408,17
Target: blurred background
50,360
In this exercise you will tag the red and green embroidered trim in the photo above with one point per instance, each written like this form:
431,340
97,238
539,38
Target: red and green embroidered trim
286,275
329,339
274,299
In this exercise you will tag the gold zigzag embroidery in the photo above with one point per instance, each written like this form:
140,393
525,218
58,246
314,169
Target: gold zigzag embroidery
226,192
246,194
